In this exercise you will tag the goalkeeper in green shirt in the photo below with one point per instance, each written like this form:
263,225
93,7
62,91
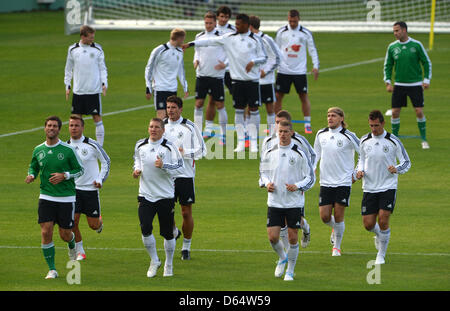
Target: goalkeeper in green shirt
58,165
412,68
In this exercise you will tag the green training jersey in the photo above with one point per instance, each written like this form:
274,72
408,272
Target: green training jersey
407,58
58,158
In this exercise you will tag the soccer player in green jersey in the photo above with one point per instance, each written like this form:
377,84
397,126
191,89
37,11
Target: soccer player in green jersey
59,165
412,75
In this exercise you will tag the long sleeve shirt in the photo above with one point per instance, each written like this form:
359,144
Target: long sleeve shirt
293,44
164,65
90,153
86,65
377,154
273,59
209,56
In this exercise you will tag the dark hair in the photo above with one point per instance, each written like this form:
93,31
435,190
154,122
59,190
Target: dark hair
244,18
224,10
54,118
376,114
284,114
210,14
294,13
158,120
75,117
175,99
402,25
285,123
85,30
255,22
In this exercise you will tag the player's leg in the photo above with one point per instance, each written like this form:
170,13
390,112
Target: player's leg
293,218
166,213
81,255
147,212
326,202
99,129
198,113
342,199
369,211
46,220
386,205
275,220
301,86
282,87
398,100
239,99
65,220
416,96
160,98
254,102
218,94
267,92
185,195
209,117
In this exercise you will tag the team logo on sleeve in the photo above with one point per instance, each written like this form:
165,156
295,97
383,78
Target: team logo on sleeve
60,156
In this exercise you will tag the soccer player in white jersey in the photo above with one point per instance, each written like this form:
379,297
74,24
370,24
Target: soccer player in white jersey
378,168
267,78
186,136
164,65
86,65
157,162
208,63
245,54
303,144
293,41
335,147
286,174
87,186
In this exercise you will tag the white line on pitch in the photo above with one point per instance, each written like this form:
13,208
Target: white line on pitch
190,97
224,250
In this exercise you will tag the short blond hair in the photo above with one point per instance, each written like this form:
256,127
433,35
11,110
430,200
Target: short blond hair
177,33
340,113
85,30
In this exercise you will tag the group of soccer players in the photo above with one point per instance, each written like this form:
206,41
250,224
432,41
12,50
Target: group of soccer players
245,60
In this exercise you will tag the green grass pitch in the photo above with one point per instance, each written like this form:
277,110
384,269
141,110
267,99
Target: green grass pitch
230,250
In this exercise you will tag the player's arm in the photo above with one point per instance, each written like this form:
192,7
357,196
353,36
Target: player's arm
426,63
261,55
265,167
317,150
403,158
76,166
388,66
137,163
173,163
68,73
217,41
194,148
33,169
360,165
307,171
105,163
270,44
152,61
314,55
182,77
103,72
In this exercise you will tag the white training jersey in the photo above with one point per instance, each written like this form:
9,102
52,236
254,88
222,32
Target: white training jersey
157,183
164,65
273,59
90,153
377,154
86,65
293,44
335,149
283,165
185,134
227,28
241,49
209,56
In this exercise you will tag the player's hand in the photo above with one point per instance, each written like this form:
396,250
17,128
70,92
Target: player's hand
185,46
104,90
291,188
425,86
97,185
359,174
389,88
67,94
137,173
181,150
392,169
270,187
221,65
158,162
186,94
249,66
263,73
315,73
196,64
56,178
148,96
29,179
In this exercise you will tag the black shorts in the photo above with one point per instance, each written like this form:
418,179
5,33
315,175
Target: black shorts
227,81
160,98
283,83
58,212
400,94
87,203
331,195
184,190
87,104
277,217
373,202
267,93
246,93
165,209
211,86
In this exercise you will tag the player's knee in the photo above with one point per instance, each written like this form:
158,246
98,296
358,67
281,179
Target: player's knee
186,213
325,218
168,234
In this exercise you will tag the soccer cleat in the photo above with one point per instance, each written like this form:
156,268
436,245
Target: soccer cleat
336,252
185,254
308,129
101,226
379,260
240,147
207,133
289,276
377,242
81,256
178,234
425,145
168,270
52,274
247,141
72,254
332,237
279,270
305,238
388,112
153,269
